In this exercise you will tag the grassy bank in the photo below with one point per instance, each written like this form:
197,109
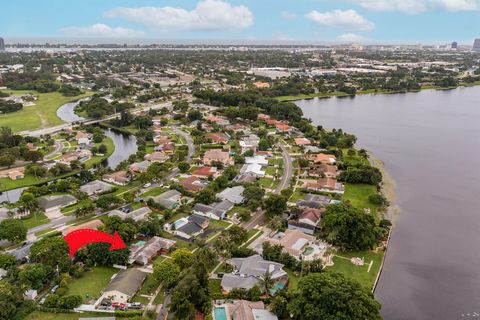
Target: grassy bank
372,91
42,115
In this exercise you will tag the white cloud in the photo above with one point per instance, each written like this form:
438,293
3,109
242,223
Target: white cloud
419,6
350,37
345,19
102,30
287,15
209,15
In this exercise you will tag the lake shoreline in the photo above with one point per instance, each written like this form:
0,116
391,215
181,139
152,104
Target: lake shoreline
366,92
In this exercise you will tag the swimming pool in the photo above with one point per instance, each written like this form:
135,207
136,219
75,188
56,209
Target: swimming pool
179,223
219,313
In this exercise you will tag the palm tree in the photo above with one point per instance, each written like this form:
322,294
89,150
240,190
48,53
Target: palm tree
266,282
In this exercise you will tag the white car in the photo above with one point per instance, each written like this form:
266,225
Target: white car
147,185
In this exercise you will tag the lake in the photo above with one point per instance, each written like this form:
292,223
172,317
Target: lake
429,143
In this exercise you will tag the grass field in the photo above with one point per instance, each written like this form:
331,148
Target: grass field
35,220
38,315
91,283
42,115
358,195
366,278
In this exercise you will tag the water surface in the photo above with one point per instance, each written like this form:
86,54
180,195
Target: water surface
429,142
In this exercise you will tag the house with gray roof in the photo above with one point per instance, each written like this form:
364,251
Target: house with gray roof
234,194
249,271
53,204
190,227
216,211
315,201
124,285
169,199
142,254
136,215
96,187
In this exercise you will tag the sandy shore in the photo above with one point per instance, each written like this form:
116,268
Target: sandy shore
389,187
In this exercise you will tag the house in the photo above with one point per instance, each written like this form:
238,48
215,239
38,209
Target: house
254,170
120,178
247,310
53,204
283,127
323,170
13,173
169,199
80,155
3,273
30,294
302,142
299,245
329,185
193,184
249,271
157,156
221,121
263,117
93,224
215,211
234,194
136,215
217,155
161,139
307,221
261,85
124,285
250,142
140,167
206,172
217,137
81,135
144,254
245,178
315,201
31,146
83,143
260,160
313,149
96,187
323,158
190,227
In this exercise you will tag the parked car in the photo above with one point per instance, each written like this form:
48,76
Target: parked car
147,185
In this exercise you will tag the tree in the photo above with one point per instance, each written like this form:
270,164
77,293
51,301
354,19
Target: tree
266,282
13,230
28,201
7,261
331,296
33,156
275,205
206,196
166,271
183,166
9,298
349,227
108,201
49,251
102,149
33,276
7,160
182,257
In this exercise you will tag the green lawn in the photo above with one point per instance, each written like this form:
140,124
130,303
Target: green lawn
97,159
214,286
91,283
359,273
271,171
265,182
71,209
358,195
293,278
154,192
35,220
42,115
38,315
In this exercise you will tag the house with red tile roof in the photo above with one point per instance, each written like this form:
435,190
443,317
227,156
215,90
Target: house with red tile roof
217,137
206,172
193,184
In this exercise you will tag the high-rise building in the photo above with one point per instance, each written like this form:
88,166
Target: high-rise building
454,45
2,45
476,45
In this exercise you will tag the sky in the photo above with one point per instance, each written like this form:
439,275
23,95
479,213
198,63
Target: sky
359,21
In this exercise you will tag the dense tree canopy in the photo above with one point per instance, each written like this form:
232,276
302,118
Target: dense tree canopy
331,296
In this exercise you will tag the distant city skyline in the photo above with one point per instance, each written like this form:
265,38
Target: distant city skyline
324,21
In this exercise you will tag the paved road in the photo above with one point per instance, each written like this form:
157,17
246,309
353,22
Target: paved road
58,148
259,217
51,130
162,315
287,169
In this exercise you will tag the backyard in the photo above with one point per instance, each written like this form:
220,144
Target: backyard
91,284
